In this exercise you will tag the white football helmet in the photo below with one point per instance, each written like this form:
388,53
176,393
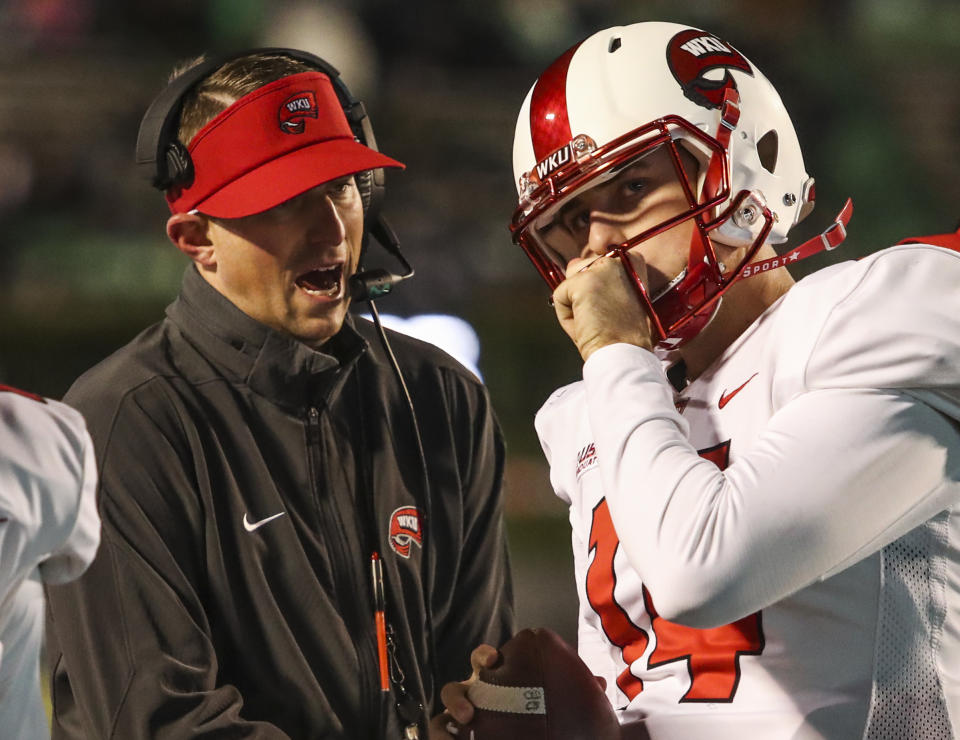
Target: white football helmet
624,91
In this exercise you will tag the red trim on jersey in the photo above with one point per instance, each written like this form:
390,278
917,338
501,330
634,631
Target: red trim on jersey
549,123
25,394
949,241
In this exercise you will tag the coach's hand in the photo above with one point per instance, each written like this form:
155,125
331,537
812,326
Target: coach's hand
597,305
458,708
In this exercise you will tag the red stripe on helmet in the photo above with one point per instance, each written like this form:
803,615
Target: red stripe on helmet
549,124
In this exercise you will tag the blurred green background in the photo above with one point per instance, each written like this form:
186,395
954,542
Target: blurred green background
872,86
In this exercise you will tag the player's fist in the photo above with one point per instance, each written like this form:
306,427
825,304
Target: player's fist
597,304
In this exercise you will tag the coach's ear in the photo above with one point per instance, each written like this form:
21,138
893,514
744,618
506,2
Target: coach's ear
190,233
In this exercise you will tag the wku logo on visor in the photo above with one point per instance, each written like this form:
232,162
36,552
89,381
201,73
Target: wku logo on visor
405,530
295,110
692,53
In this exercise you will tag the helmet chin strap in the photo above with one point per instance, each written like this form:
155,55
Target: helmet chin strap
831,238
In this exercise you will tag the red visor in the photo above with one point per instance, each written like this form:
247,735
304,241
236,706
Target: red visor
272,145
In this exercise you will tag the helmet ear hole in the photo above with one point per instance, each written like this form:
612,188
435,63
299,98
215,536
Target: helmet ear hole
767,151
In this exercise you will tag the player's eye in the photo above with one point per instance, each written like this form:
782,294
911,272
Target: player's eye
577,220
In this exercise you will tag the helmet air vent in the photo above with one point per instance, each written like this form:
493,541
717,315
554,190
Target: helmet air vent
614,44
767,151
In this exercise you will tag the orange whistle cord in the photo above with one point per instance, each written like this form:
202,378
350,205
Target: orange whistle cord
382,651
376,571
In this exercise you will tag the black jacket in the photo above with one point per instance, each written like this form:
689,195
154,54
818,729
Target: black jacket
195,622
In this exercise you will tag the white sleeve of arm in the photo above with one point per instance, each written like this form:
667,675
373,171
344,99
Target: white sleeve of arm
48,478
835,476
71,558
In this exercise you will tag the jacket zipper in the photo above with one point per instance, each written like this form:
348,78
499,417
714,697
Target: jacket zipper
366,648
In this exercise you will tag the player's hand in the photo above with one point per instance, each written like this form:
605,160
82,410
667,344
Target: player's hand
597,305
458,708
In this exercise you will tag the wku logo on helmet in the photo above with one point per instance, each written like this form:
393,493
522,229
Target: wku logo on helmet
405,530
295,110
692,53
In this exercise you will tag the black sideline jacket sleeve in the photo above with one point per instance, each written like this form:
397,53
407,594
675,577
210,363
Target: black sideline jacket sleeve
478,605
138,608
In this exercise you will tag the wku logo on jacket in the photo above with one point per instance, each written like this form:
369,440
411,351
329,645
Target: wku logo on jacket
691,54
405,530
295,110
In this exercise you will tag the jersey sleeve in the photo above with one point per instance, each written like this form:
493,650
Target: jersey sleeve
897,325
553,424
71,559
850,460
48,477
561,428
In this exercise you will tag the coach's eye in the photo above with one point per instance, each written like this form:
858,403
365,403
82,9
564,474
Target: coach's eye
342,187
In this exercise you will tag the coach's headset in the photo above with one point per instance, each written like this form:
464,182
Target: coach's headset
166,163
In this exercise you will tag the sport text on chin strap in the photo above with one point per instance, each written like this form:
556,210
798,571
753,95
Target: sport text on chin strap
828,240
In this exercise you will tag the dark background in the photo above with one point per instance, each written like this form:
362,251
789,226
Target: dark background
872,86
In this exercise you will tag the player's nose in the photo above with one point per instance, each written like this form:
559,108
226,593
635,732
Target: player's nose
604,232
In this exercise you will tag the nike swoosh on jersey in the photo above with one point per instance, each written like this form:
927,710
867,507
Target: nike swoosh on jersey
251,526
726,397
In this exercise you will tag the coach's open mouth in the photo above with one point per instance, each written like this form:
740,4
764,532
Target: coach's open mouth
326,281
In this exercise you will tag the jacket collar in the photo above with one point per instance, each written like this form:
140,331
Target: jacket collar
270,362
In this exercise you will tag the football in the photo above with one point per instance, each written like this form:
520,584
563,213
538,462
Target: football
540,690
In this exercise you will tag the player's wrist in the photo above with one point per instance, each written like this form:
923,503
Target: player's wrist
597,343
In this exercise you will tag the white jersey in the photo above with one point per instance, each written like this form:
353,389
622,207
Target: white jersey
796,507
49,532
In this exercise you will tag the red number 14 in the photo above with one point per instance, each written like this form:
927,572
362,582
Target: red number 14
712,655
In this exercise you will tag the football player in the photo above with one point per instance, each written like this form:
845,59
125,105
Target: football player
49,533
763,477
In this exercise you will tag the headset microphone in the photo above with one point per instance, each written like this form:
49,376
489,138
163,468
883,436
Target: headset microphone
368,285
